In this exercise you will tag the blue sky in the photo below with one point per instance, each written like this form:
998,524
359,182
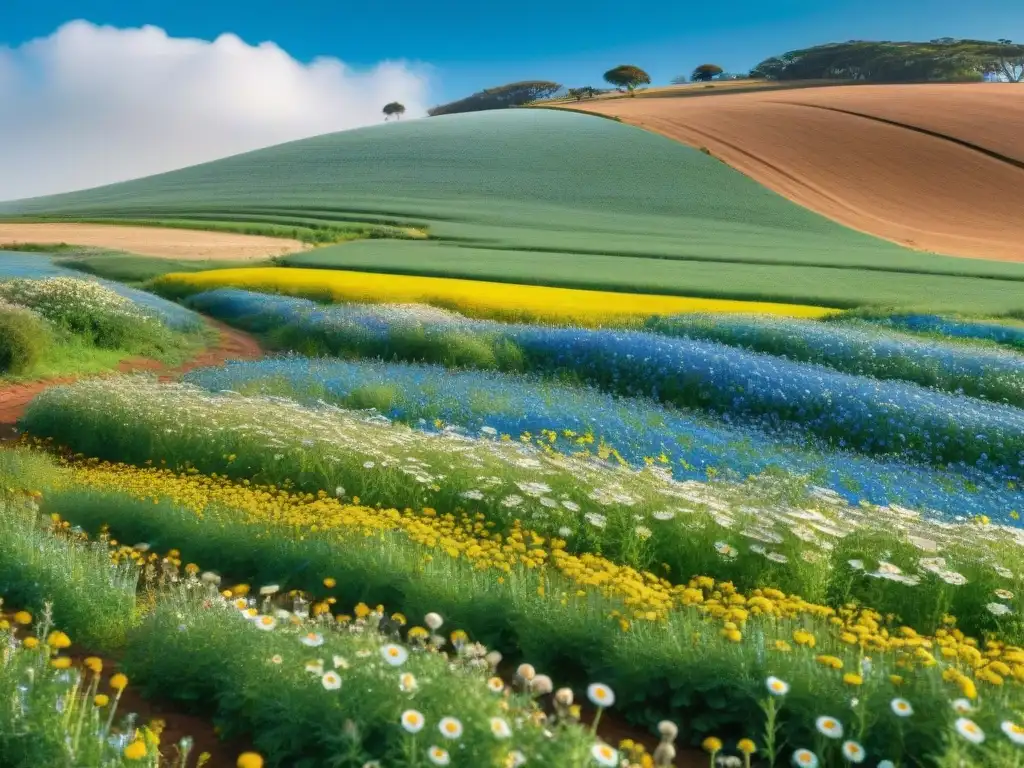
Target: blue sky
475,44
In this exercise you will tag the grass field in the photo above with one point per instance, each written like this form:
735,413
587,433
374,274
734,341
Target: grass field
546,197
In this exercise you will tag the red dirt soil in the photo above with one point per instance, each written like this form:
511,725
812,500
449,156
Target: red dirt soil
233,345
936,168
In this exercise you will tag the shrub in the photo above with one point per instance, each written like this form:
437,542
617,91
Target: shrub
93,311
23,337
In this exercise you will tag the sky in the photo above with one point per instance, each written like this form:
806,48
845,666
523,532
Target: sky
93,91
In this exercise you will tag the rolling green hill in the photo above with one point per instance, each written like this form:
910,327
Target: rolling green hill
548,196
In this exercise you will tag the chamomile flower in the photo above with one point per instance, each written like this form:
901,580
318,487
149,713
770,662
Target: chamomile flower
804,758
331,681
853,752
829,726
412,721
266,623
969,730
1013,732
605,755
600,694
496,685
500,728
901,707
450,727
962,706
438,756
777,687
312,639
407,682
395,655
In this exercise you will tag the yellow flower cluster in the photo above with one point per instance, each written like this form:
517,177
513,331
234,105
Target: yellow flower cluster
642,596
474,297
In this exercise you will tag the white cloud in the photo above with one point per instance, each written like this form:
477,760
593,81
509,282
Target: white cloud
91,105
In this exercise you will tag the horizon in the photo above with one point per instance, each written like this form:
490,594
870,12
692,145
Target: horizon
169,86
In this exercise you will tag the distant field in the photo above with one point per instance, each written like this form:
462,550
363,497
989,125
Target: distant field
550,197
938,167
800,284
700,89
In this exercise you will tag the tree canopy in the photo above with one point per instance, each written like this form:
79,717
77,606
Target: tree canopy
627,76
706,72
944,59
395,108
586,92
500,97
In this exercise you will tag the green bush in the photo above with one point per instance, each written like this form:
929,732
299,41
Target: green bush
23,338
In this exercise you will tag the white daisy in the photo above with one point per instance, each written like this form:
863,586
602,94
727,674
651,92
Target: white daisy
600,694
395,655
969,730
901,707
1013,732
853,752
605,755
829,726
500,728
412,721
450,727
331,681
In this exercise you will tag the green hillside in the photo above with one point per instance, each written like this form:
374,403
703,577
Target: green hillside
546,196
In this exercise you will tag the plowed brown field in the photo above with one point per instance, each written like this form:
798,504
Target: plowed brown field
934,167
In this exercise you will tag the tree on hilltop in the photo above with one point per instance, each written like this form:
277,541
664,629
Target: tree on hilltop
705,73
627,76
395,109
586,92
501,97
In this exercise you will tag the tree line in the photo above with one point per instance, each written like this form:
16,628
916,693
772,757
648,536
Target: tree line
946,59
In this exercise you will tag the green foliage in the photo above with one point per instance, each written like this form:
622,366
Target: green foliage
586,92
393,109
706,73
501,97
627,76
97,607
24,338
945,59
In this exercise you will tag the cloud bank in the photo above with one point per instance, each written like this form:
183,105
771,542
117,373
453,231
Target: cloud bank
92,105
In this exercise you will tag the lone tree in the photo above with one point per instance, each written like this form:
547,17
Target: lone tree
705,73
395,109
627,76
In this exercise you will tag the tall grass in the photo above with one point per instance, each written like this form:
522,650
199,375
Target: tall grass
790,536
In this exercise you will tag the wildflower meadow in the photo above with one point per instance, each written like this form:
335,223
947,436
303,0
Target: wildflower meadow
486,529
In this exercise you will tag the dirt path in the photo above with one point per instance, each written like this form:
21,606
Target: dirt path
233,345
937,168
191,244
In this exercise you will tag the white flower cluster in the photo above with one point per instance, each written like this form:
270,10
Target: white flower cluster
61,298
